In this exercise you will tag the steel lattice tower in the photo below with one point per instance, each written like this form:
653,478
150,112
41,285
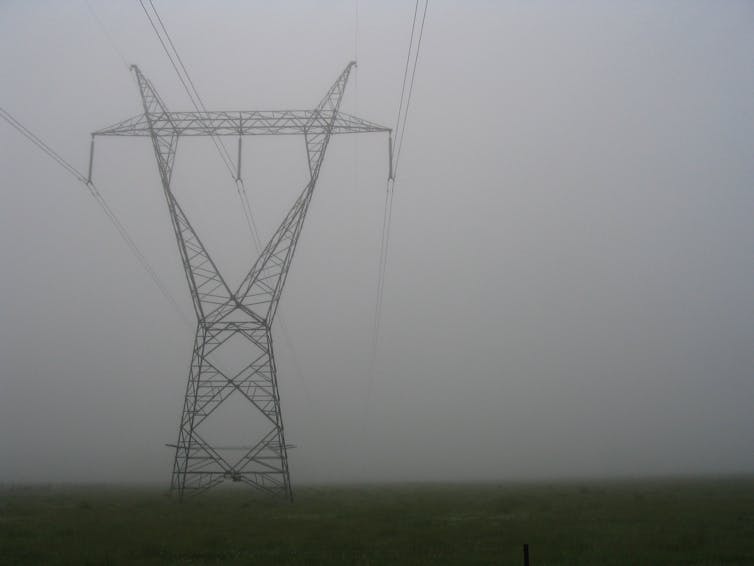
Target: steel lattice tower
249,311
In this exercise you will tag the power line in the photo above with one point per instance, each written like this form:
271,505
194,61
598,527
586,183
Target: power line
42,145
169,54
106,32
391,182
196,100
405,70
400,129
101,202
386,212
387,216
410,92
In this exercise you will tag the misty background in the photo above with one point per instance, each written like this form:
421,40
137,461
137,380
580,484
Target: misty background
570,280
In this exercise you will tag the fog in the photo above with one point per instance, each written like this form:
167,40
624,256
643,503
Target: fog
571,269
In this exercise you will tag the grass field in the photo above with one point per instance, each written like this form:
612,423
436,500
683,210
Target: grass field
708,521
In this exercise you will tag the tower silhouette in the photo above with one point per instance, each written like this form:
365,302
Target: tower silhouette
225,317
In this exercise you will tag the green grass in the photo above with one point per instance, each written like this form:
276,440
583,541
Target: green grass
659,522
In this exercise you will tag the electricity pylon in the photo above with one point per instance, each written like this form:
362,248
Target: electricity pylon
224,315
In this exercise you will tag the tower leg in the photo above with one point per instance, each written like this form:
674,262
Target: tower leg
263,463
183,446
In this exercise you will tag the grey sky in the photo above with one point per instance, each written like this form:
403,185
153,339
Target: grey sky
571,272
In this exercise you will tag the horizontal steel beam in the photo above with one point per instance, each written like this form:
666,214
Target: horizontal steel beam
244,122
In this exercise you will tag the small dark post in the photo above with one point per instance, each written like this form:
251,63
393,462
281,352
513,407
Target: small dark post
526,555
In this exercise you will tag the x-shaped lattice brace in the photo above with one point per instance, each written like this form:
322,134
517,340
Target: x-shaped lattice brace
248,311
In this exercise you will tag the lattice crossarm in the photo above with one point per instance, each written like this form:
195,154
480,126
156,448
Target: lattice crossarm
135,126
348,124
242,122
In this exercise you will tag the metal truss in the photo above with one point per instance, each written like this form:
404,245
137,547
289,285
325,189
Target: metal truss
245,123
222,314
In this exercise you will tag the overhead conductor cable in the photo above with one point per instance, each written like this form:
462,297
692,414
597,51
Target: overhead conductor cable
394,154
395,149
94,191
